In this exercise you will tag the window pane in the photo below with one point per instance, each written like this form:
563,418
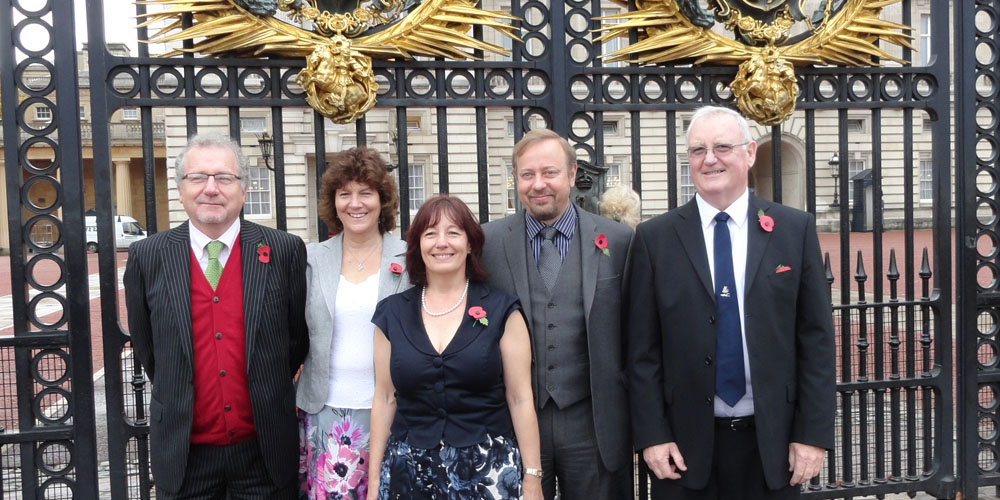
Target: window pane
614,175
925,38
687,187
254,124
258,199
416,176
130,114
926,180
511,191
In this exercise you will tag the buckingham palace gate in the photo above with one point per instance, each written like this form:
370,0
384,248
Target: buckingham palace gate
899,163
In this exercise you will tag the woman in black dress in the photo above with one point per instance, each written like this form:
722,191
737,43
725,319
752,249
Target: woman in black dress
453,415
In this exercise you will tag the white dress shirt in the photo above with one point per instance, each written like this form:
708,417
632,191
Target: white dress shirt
738,229
199,241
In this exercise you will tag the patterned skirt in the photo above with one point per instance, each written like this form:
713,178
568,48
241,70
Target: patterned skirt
333,456
490,470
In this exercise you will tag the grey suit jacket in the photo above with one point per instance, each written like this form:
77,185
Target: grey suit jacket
158,296
506,258
322,278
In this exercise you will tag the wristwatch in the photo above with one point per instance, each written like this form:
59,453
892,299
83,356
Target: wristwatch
531,471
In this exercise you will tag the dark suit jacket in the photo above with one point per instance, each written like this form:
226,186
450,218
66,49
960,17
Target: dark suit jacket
789,336
507,259
158,296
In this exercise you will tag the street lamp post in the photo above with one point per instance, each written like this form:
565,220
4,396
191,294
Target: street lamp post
835,172
266,142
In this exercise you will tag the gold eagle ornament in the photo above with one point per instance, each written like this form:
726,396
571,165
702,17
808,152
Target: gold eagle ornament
839,32
346,34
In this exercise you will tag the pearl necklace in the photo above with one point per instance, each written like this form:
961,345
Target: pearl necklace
423,301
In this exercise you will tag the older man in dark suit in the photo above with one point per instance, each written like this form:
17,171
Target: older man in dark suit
217,320
730,346
567,266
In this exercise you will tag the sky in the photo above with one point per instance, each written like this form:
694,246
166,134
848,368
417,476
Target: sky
119,22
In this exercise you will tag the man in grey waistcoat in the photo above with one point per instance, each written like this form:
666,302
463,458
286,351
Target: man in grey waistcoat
567,267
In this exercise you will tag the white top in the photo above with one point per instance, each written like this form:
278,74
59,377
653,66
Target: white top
738,227
199,241
352,365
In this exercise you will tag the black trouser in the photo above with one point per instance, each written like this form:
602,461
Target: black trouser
232,472
737,472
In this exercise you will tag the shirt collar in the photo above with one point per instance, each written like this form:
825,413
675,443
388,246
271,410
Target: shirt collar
737,211
564,224
199,239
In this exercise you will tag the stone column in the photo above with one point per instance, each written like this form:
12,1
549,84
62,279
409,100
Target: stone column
123,187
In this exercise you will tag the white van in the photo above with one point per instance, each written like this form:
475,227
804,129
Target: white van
127,231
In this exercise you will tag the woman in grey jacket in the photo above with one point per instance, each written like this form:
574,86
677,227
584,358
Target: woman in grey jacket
347,275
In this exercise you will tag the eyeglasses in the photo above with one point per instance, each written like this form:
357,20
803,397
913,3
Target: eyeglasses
220,179
717,150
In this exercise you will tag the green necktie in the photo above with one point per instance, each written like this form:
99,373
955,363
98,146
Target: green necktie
214,270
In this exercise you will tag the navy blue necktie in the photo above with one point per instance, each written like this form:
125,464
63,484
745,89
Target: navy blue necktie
730,381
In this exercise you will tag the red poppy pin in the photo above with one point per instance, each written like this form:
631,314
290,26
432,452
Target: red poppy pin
602,243
263,253
396,270
766,222
781,269
478,315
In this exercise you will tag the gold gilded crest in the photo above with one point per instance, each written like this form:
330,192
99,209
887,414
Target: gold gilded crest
338,78
844,33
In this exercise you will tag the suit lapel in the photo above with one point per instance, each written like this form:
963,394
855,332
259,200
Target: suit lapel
517,260
392,252
589,260
693,239
757,240
176,265
328,265
255,275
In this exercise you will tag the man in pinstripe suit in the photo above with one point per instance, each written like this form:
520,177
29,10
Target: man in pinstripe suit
217,320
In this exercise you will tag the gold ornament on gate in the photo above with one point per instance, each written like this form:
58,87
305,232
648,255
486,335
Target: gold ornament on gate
339,82
765,89
345,36
842,32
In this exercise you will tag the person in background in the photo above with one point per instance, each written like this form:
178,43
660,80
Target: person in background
346,276
731,353
567,266
217,320
621,204
453,415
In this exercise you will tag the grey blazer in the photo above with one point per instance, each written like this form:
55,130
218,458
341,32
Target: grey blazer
322,278
506,258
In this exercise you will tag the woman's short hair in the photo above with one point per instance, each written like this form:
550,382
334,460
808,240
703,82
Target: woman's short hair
430,213
364,166
621,204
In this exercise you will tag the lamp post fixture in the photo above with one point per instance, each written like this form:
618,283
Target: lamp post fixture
266,142
835,172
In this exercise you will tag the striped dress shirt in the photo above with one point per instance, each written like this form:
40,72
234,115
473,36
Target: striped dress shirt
565,228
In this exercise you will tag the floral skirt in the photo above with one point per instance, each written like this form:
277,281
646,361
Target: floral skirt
490,470
333,456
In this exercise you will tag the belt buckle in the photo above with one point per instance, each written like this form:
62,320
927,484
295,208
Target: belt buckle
734,422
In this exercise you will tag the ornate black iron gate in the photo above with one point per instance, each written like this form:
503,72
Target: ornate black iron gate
887,127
